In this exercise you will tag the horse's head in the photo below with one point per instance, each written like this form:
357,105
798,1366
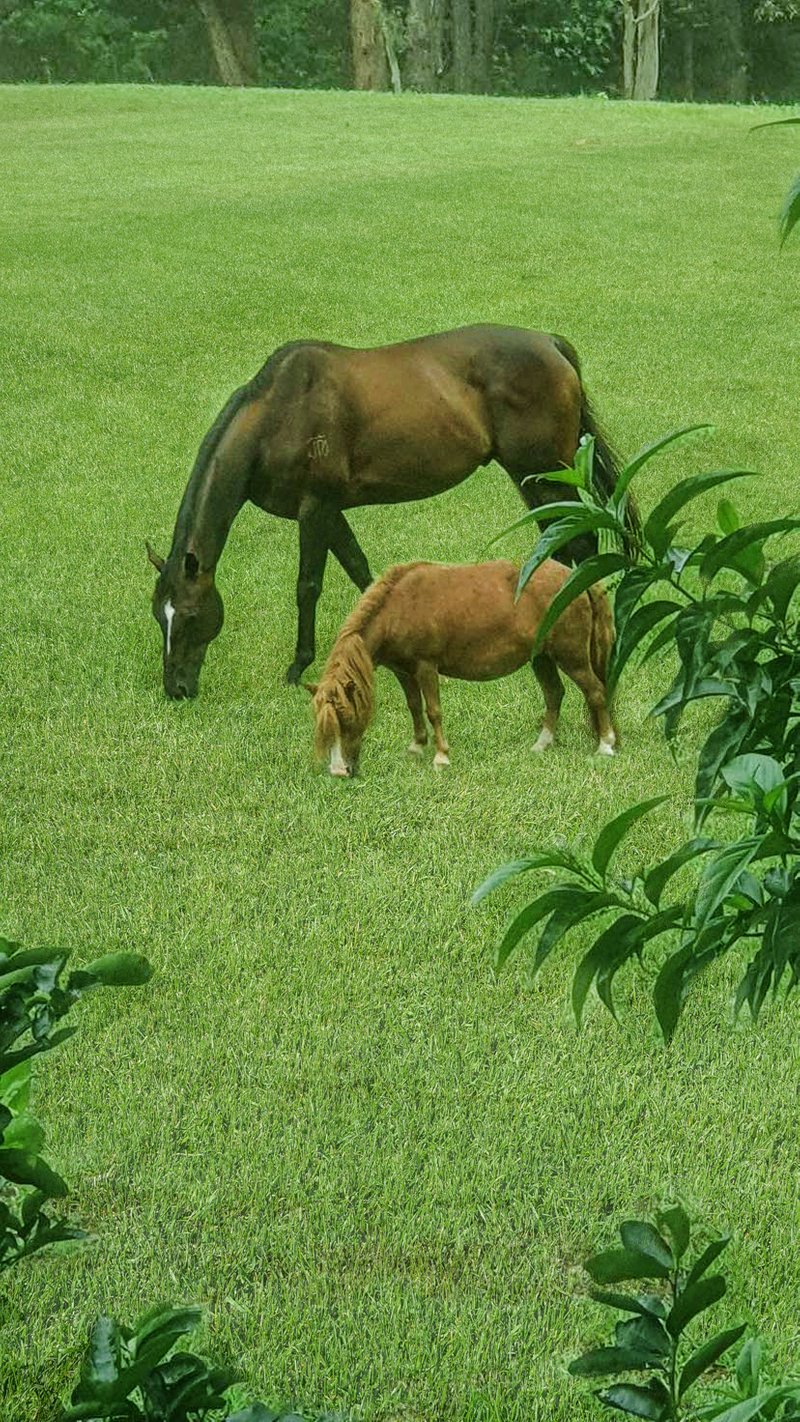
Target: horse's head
188,609
343,706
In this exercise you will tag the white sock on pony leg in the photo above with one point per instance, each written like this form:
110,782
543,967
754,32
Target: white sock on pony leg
546,739
416,747
607,744
441,758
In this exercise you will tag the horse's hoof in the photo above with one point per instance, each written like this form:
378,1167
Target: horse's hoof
441,759
416,747
294,673
544,742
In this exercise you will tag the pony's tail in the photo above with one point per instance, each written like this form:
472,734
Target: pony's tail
606,460
345,696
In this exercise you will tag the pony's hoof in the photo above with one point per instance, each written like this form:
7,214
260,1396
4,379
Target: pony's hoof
544,742
606,748
416,747
441,759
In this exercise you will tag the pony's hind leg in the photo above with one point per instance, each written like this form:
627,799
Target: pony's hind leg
546,673
596,698
428,679
413,697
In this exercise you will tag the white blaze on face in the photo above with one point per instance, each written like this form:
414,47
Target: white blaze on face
337,765
169,613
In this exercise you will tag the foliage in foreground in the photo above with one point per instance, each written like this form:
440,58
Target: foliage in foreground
729,618
657,1338
130,1373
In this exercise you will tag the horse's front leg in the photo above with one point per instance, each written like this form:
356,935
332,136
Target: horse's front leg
346,548
315,521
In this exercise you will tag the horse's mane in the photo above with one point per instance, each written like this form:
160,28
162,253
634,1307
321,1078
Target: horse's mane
259,383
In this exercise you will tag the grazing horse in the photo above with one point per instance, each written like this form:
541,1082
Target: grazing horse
323,428
421,619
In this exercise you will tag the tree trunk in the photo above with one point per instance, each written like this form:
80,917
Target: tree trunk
484,46
462,46
640,48
370,70
688,63
423,27
231,26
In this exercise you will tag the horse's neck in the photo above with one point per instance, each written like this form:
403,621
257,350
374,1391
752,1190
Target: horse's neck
211,502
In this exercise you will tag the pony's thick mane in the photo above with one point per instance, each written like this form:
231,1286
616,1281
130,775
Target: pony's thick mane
372,601
345,696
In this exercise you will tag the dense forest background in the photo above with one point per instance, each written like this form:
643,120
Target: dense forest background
677,49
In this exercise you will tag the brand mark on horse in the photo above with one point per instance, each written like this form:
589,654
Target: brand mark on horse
318,447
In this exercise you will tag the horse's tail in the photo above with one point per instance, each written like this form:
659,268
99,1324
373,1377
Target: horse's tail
606,460
601,639
345,696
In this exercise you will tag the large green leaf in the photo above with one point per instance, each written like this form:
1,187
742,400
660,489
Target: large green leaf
602,1361
694,1299
549,859
782,583
532,914
587,573
641,1235
642,621
615,831
657,879
555,536
120,970
680,436
790,212
613,1266
669,990
676,1221
565,918
707,1356
604,951
720,875
645,1304
706,1259
726,549
636,1401
24,1133
26,1169
657,525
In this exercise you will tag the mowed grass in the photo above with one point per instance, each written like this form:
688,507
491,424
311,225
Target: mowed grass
376,1165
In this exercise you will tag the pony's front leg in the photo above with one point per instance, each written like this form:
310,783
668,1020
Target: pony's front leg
413,697
314,520
428,679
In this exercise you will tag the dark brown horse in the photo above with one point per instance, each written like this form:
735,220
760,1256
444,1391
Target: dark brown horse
323,428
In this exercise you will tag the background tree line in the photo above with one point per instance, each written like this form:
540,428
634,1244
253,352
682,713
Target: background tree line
680,49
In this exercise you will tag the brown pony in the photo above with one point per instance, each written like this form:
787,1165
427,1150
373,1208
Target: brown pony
421,619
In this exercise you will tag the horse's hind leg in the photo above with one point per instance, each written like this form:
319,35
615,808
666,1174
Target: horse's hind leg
546,673
428,679
346,548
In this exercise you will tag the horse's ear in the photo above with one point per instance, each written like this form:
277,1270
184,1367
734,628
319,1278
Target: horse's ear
312,687
191,567
153,556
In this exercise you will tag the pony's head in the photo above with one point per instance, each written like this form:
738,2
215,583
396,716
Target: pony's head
343,705
188,609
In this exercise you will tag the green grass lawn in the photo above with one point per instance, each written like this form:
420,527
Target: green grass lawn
377,1166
